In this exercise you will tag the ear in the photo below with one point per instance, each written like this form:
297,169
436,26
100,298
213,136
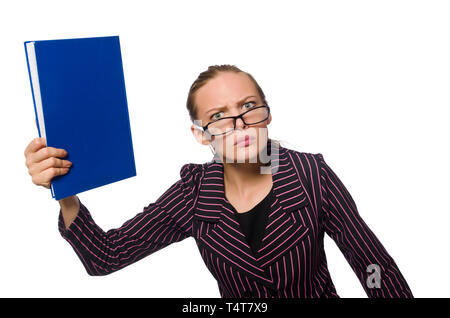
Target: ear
199,135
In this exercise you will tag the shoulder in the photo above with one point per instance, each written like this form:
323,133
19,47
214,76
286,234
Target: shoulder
306,166
191,169
309,166
191,174
303,158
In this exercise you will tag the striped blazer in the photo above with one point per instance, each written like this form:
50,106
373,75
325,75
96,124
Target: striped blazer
309,200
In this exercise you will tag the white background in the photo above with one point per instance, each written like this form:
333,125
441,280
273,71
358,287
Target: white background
365,83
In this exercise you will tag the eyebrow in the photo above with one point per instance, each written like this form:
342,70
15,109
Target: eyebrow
224,107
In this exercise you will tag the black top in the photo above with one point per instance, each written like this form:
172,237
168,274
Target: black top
253,222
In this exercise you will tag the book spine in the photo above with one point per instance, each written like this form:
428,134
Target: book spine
38,124
32,88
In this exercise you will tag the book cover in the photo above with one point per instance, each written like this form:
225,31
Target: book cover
80,105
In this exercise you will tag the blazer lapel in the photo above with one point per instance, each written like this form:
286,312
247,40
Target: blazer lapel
219,232
283,230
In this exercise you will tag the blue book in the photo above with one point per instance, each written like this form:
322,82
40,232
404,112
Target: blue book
80,105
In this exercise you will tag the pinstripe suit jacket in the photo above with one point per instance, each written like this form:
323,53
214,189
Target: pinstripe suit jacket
309,200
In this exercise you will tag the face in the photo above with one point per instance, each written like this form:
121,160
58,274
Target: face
231,94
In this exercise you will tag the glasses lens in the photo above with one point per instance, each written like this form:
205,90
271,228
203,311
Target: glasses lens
256,115
221,126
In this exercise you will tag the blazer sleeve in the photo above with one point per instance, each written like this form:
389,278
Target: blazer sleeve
374,267
163,222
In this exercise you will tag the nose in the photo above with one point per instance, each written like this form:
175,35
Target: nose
240,123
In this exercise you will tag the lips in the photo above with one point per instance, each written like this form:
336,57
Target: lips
244,139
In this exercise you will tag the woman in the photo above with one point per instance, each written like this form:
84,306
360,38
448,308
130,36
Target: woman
258,220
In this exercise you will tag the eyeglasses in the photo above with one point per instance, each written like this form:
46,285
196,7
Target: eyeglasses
225,125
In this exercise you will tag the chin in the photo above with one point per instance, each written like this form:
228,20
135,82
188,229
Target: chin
247,154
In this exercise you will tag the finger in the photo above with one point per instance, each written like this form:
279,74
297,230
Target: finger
47,175
34,145
48,163
48,152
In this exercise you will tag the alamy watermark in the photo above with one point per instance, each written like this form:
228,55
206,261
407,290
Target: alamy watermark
374,277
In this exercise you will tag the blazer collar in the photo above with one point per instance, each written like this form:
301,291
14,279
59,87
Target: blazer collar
225,237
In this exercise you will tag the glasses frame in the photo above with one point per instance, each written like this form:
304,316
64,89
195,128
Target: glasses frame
205,128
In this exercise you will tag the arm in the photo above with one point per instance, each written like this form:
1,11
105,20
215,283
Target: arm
362,249
166,221
69,209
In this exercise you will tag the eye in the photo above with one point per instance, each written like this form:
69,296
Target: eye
218,115
248,103
214,117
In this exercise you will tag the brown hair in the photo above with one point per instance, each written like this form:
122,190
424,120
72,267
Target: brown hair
210,73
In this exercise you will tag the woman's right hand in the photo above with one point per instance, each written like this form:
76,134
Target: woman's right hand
44,162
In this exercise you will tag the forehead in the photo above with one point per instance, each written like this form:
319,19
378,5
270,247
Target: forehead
226,89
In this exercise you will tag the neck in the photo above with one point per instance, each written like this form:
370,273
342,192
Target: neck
244,177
